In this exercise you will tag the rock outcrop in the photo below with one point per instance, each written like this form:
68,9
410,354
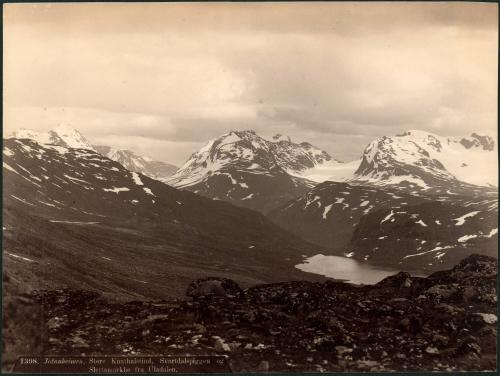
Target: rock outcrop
445,322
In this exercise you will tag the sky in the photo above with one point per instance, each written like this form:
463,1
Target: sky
163,79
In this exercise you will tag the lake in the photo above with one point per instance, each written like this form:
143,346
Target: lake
346,269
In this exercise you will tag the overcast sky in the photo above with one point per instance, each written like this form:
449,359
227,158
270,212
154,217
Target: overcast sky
162,79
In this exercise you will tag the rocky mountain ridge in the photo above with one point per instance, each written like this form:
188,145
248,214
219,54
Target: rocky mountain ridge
68,137
138,163
422,161
62,135
246,150
245,169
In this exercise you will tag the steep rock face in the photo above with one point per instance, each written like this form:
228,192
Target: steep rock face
249,171
138,163
298,158
422,161
478,141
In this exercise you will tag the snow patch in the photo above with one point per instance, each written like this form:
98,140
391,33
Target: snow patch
72,222
461,220
492,232
327,210
8,152
75,179
149,191
22,200
136,178
309,201
116,189
389,216
465,238
20,257
432,250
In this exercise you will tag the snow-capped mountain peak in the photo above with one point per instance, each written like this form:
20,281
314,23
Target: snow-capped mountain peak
62,135
422,159
138,163
248,170
68,137
71,137
40,137
245,150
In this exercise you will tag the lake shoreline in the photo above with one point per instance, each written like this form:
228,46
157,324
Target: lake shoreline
349,270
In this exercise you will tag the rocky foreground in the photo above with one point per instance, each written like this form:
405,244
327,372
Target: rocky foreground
444,322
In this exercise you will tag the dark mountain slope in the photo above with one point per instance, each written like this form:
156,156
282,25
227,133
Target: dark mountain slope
72,216
387,225
329,213
427,236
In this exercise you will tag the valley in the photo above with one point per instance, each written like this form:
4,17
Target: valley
250,187
95,232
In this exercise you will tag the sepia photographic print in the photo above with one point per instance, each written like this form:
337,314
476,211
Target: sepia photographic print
250,187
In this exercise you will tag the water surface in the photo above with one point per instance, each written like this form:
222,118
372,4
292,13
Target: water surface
346,269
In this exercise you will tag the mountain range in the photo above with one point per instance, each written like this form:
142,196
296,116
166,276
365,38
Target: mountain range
62,135
250,171
138,163
66,136
392,227
414,176
424,161
75,217
98,256
340,207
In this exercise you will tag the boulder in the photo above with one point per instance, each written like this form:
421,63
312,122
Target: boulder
399,280
213,286
441,291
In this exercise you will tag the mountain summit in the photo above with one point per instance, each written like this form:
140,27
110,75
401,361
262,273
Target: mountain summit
138,163
68,137
423,160
62,135
245,150
248,170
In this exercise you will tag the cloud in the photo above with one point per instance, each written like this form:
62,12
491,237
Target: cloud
337,74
